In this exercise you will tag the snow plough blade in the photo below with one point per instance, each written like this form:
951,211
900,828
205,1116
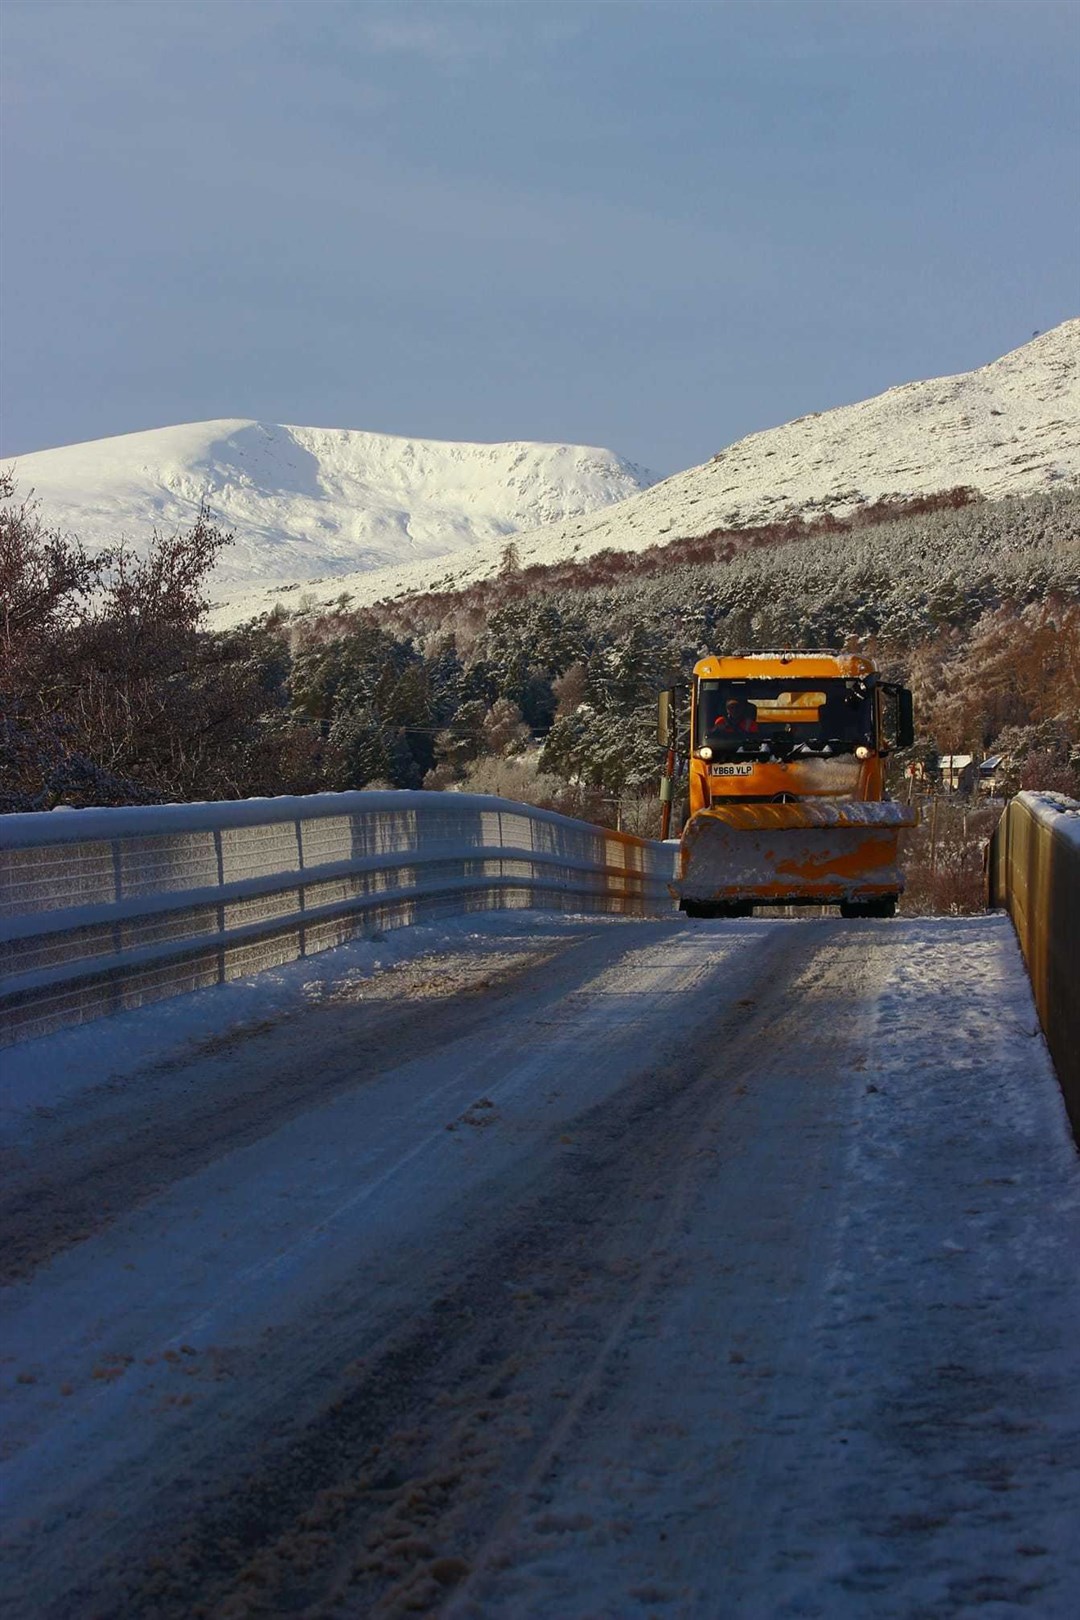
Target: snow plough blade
781,854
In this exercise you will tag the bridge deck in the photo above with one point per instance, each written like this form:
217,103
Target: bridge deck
588,1268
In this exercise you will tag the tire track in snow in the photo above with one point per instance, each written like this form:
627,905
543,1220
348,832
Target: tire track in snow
757,1156
407,1469
582,1352
104,1153
623,998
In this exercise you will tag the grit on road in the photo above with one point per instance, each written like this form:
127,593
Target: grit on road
586,1268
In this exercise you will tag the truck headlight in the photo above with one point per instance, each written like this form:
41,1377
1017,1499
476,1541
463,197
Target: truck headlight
704,753
862,752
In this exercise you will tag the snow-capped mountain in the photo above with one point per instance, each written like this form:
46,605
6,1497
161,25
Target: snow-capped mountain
1010,427
310,502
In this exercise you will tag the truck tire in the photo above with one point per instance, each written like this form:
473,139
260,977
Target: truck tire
718,908
883,907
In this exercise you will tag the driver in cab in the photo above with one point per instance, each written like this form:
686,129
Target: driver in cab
738,719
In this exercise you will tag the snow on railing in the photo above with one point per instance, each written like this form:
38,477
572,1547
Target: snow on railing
1034,872
101,910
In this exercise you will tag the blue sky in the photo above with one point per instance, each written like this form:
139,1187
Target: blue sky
655,227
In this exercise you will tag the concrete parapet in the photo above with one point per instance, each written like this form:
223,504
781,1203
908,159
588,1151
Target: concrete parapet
1034,873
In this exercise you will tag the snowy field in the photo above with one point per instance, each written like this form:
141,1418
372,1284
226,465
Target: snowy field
551,1267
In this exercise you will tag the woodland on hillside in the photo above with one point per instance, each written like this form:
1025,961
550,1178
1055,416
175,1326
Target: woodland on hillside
539,685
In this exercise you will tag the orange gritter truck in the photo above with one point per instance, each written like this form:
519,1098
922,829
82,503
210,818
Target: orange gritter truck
787,802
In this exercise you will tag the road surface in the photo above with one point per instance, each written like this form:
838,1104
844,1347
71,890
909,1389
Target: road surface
586,1268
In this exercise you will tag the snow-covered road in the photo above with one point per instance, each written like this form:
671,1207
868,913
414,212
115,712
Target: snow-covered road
582,1268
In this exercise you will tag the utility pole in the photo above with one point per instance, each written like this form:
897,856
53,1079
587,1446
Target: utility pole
667,732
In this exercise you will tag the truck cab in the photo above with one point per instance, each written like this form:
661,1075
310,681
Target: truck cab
786,783
783,727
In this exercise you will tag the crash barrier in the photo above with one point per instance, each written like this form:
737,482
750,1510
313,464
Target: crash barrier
101,910
1034,873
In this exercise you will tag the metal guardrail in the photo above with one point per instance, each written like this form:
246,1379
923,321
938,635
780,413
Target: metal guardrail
101,910
1034,873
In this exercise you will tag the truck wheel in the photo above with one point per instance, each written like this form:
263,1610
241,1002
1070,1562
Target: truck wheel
884,907
718,908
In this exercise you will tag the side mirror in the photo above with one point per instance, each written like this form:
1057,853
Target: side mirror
903,716
665,718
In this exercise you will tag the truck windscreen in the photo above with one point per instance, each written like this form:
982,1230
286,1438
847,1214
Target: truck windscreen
784,718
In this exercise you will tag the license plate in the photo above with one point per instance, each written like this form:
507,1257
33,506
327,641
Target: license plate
731,770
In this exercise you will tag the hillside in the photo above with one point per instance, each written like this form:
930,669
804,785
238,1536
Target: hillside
903,579
114,693
317,502
1008,428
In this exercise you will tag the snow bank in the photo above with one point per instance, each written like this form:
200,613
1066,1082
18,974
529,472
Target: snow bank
1054,810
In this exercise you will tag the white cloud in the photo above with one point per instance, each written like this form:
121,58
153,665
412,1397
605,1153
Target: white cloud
444,41
452,36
